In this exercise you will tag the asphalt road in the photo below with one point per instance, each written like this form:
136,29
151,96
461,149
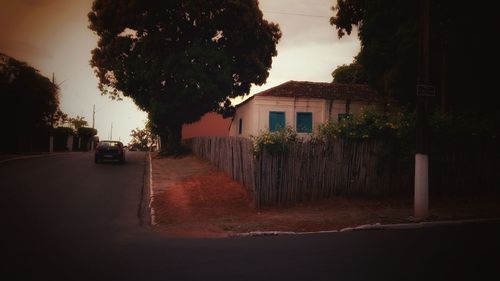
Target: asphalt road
65,218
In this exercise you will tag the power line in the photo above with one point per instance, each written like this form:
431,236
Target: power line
296,14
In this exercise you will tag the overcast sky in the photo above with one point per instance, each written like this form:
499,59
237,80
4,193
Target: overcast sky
52,36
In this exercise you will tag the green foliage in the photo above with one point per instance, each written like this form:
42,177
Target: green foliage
464,125
28,98
274,142
180,59
349,74
78,122
400,124
389,32
60,118
142,139
86,132
29,103
368,124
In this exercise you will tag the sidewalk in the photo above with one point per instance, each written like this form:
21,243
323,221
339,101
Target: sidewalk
6,157
192,199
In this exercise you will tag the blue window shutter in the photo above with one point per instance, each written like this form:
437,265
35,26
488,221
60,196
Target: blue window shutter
304,122
276,120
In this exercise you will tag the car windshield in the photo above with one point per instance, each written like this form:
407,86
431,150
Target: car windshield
109,144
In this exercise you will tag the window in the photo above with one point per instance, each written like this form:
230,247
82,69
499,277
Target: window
304,122
240,126
343,116
276,120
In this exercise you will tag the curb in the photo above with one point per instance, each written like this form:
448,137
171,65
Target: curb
151,191
33,156
375,226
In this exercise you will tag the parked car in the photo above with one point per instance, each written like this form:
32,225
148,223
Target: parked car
109,150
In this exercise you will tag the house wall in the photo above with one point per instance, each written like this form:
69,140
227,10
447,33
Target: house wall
255,113
249,120
290,106
333,108
210,125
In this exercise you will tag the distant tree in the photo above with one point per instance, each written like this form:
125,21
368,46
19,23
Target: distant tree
29,103
142,139
59,119
78,122
180,59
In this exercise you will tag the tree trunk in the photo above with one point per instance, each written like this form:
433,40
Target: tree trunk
171,141
444,71
163,142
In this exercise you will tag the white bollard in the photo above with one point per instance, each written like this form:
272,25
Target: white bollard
421,206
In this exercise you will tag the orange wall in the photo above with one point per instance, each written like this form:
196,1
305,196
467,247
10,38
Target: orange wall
211,124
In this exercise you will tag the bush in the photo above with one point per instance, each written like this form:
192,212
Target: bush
63,131
274,142
86,133
464,125
367,125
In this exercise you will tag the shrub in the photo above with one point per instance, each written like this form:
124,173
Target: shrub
274,142
63,131
85,132
366,125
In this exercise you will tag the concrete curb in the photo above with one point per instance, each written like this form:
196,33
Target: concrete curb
375,226
151,191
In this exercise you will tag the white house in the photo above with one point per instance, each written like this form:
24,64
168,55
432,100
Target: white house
301,105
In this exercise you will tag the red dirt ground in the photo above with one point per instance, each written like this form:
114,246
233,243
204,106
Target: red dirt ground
192,199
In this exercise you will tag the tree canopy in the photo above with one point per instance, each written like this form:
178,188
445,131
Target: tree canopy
29,107
78,122
180,59
461,49
349,74
142,139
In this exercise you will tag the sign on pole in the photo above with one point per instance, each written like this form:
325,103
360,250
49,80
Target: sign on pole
426,90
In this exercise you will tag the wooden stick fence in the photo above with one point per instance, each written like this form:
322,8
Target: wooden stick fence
306,171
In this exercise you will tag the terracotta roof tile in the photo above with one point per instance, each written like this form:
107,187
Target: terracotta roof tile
320,90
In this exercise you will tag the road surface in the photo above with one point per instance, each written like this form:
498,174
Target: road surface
66,218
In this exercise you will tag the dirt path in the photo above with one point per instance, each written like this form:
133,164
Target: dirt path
192,199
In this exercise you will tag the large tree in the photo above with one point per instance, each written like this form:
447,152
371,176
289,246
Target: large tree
29,106
389,39
349,74
461,51
180,59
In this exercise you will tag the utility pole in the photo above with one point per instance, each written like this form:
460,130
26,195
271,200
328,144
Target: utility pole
424,91
93,117
111,134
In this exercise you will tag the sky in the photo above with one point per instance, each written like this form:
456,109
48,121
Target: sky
53,37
